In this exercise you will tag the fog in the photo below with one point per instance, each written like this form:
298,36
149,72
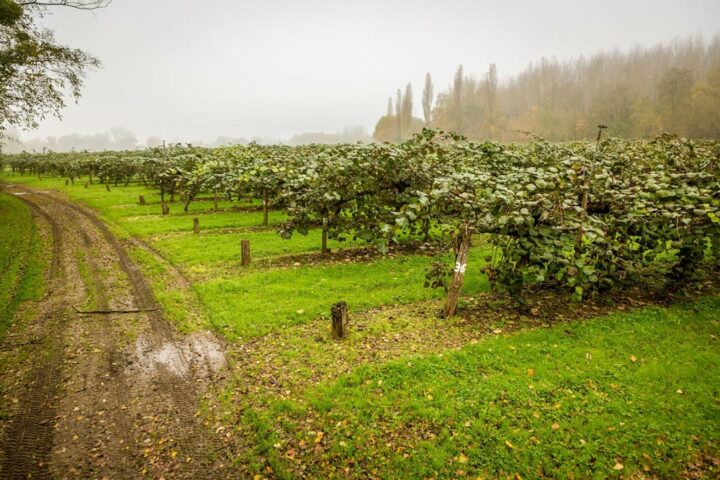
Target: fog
228,70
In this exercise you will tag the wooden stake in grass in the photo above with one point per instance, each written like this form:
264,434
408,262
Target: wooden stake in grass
142,200
266,208
324,248
165,209
107,187
339,314
244,253
458,273
196,225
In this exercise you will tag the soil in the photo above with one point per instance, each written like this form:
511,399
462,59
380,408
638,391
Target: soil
101,395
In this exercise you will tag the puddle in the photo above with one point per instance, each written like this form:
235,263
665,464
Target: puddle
196,355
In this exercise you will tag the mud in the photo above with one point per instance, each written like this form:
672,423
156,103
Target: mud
101,395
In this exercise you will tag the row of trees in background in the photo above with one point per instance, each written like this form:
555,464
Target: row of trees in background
119,138
639,93
581,216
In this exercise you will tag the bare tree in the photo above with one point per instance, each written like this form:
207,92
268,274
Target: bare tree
427,98
398,110
491,96
79,4
407,110
457,95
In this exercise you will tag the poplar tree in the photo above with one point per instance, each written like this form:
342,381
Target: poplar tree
427,98
407,110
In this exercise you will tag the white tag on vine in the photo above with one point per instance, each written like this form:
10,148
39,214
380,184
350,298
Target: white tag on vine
460,267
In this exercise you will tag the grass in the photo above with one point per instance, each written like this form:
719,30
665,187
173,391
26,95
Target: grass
21,263
180,306
120,206
633,395
258,302
405,395
245,303
209,249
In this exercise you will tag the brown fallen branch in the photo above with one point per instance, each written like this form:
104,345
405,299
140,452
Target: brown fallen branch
132,310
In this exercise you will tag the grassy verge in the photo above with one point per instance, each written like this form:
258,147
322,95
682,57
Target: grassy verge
21,265
627,395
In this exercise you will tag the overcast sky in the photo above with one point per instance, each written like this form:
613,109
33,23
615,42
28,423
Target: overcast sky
193,70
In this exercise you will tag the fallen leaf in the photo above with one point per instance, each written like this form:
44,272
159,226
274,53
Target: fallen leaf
555,426
462,458
531,372
509,445
633,358
619,466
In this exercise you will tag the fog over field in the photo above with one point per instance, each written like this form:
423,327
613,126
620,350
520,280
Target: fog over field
196,71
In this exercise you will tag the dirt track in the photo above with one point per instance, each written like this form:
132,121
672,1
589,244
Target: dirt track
101,395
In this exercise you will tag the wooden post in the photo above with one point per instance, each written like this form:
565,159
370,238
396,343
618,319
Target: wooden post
66,182
142,200
107,187
324,249
196,225
265,208
339,316
244,253
165,209
459,273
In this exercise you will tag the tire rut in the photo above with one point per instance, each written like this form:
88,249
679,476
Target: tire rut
28,439
88,411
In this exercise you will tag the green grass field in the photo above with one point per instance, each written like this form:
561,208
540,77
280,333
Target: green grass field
622,396
21,264
406,395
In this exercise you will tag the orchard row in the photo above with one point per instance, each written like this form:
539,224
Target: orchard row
584,216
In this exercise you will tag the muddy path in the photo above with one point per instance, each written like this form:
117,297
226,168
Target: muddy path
101,395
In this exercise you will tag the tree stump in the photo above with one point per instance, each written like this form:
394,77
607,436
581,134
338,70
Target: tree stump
244,253
339,314
165,209
196,225
142,200
107,187
66,182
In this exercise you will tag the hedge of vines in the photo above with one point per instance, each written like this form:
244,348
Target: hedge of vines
586,217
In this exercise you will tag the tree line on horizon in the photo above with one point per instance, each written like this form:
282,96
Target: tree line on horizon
639,93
